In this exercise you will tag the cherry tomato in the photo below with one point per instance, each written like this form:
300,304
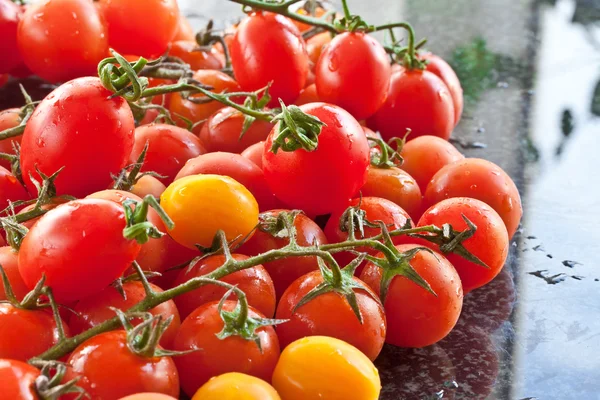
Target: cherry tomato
184,30
353,72
190,52
62,39
9,262
489,243
108,369
200,205
18,380
444,71
308,95
316,44
324,179
268,48
254,153
415,317
9,119
218,356
425,156
237,386
10,189
320,367
234,166
148,185
59,134
83,259
169,148
163,99
482,180
222,131
302,27
10,14
417,100
54,202
136,35
148,396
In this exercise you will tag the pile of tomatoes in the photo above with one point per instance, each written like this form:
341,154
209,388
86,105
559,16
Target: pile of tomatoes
314,210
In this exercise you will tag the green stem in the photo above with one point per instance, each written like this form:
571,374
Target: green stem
347,14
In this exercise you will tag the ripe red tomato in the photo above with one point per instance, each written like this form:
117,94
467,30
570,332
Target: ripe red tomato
3,79
184,30
10,14
9,262
10,189
254,153
316,44
148,185
76,26
444,71
255,282
82,260
218,356
489,243
354,72
482,180
60,133
8,119
55,202
417,100
330,314
110,370
415,317
268,48
18,380
136,35
322,180
308,95
190,53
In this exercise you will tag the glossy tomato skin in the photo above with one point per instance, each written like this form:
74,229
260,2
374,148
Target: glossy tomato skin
128,373
60,133
10,14
9,119
184,30
10,189
187,51
268,47
62,39
148,185
18,380
325,179
482,180
315,46
237,386
415,317
83,260
55,202
255,282
444,71
308,95
287,270
254,153
417,100
233,354
354,72
9,260
148,396
489,243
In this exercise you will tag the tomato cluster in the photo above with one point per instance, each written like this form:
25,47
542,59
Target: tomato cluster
238,219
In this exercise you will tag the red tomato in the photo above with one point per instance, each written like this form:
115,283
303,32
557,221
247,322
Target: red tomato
308,95
302,27
482,180
184,30
255,282
169,148
417,100
55,202
10,189
148,185
9,119
62,39
136,35
268,48
10,14
489,243
110,370
83,259
222,130
234,166
353,72
325,179
9,262
254,153
18,380
425,156
60,133
316,44
330,314
415,317
189,52
3,79
444,71
148,396
164,99
26,333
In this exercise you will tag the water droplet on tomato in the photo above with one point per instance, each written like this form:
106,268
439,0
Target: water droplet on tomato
334,62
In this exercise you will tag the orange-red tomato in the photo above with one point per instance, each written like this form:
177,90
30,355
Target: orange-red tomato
18,380
308,95
10,263
316,44
441,68
236,386
9,119
148,396
254,153
184,30
189,51
10,189
302,27
55,202
148,185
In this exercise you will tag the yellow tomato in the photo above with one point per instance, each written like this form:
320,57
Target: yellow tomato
325,368
148,396
236,386
200,205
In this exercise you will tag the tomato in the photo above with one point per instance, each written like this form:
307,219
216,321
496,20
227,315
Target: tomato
268,48
324,179
3,79
222,131
10,14
254,153
10,189
18,380
148,396
190,52
83,259
234,166
320,367
218,356
169,148
200,205
135,35
75,25
59,134
482,180
302,27
353,72
255,282
308,95
415,317
9,119
397,186
418,100
444,71
54,202
184,30
26,333
425,156
236,386
489,243
108,369
9,262
316,44
376,209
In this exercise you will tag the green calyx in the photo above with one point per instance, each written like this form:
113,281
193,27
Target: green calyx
117,78
296,130
137,226
49,385
131,174
280,226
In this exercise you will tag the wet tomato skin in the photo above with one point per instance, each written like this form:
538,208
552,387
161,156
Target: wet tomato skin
10,189
254,153
9,119
187,51
9,260
444,71
18,380
10,15
234,385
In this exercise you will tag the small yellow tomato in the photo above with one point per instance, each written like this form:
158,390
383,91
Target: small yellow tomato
325,368
200,205
236,386
148,396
